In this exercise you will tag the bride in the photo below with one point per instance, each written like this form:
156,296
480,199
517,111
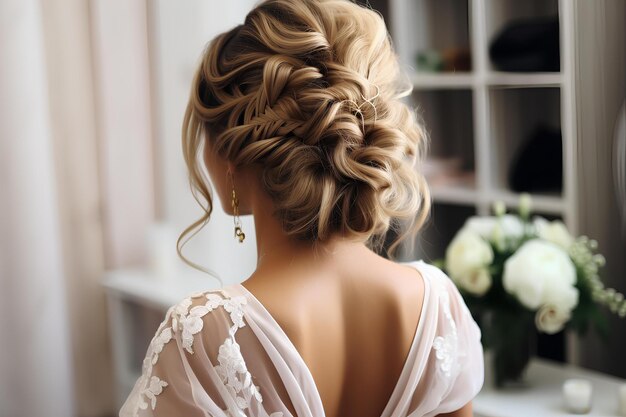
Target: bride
297,115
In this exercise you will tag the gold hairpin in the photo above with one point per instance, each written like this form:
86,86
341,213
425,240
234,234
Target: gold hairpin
367,100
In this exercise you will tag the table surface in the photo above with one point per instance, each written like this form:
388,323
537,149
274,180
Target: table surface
541,397
144,287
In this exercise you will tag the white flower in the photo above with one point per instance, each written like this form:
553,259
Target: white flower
445,351
241,402
499,208
191,325
511,225
256,391
481,225
230,357
551,319
155,387
563,297
554,231
498,237
541,272
214,301
159,342
477,281
234,306
467,254
525,205
182,307
231,366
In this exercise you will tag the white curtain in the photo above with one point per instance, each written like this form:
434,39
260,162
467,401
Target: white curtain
35,357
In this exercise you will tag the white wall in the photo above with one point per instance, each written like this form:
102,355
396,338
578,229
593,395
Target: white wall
178,33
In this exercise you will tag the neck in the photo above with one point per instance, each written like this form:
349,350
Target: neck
275,248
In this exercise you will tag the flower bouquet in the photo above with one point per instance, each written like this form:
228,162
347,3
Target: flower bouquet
520,276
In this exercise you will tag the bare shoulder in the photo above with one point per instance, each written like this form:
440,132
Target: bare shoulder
396,286
389,290
407,289
399,283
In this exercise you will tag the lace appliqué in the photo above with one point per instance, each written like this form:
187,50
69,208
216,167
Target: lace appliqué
232,367
446,346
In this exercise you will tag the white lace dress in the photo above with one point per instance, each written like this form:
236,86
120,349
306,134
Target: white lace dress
220,353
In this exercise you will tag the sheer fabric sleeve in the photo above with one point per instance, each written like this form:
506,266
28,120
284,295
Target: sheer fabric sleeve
451,365
194,364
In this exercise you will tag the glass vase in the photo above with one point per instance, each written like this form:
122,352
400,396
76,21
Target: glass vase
509,339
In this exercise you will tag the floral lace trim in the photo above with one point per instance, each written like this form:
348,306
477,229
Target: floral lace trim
446,346
232,367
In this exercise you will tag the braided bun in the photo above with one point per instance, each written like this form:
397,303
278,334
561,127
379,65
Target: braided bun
310,91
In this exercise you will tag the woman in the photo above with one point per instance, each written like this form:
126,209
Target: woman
297,115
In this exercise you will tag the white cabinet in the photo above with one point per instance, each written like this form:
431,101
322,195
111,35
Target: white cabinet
479,118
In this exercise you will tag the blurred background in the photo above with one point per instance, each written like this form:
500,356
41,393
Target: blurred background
517,97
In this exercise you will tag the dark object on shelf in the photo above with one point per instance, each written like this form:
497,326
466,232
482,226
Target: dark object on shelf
446,60
456,59
527,45
539,165
429,61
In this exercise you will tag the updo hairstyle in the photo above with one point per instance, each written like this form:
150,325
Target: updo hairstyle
309,91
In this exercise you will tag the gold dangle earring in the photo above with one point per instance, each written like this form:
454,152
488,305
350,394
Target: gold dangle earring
235,205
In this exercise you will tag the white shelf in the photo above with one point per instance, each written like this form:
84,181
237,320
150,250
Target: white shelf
541,203
145,287
524,80
455,194
451,80
467,196
442,80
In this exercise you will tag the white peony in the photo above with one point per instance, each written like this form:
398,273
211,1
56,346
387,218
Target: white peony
554,231
477,281
481,225
467,257
551,319
540,272
496,229
511,226
561,296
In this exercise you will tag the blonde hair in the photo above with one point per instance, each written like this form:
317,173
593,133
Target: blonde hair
310,91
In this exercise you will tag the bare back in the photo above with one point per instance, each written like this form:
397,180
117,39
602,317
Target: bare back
353,328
